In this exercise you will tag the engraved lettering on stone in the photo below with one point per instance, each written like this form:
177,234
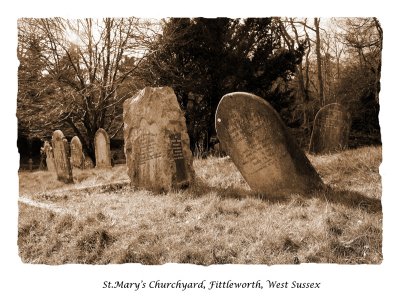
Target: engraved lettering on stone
154,160
331,129
250,152
177,154
261,147
147,146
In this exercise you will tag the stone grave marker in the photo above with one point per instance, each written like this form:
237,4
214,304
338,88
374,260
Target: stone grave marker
61,157
259,144
88,163
157,147
77,157
330,130
48,151
102,149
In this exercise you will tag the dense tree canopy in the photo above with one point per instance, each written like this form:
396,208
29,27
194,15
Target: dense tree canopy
343,66
75,74
203,59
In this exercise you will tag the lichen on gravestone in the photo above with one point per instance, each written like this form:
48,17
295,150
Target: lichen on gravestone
77,156
261,147
48,151
61,157
157,147
331,129
102,149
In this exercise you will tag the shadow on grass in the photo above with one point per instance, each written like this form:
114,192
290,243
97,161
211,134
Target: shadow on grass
351,199
200,188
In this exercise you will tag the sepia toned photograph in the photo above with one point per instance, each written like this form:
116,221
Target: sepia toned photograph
203,141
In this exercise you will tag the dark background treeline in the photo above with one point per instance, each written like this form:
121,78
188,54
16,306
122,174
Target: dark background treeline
74,75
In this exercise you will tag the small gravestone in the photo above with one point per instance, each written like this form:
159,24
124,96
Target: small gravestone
217,149
259,144
77,157
48,151
88,163
330,130
102,149
157,147
61,157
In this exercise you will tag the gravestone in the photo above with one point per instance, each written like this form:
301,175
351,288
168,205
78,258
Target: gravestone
259,144
77,157
218,150
88,163
102,149
48,151
157,147
61,157
330,130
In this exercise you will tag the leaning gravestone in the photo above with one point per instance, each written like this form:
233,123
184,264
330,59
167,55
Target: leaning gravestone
157,148
77,157
331,129
259,144
102,149
48,151
61,159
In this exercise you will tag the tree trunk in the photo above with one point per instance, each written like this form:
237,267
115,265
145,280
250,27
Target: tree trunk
379,64
319,62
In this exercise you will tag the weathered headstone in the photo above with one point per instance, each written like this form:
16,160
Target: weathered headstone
61,157
48,151
259,144
157,147
77,157
88,163
102,149
330,130
218,150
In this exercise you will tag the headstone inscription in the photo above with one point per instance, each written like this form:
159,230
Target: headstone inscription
77,157
157,147
61,157
330,130
261,147
102,149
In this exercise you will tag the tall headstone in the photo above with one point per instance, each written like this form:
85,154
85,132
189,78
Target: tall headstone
102,149
61,157
330,130
48,151
77,157
157,147
259,144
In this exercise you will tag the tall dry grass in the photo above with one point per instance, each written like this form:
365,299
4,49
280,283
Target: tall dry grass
217,220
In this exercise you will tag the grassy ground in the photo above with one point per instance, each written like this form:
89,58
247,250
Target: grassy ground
101,220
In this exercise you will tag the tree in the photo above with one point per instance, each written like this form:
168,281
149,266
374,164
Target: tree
203,59
359,84
294,34
319,61
76,73
364,38
341,64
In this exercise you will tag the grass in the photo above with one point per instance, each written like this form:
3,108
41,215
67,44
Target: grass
217,220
